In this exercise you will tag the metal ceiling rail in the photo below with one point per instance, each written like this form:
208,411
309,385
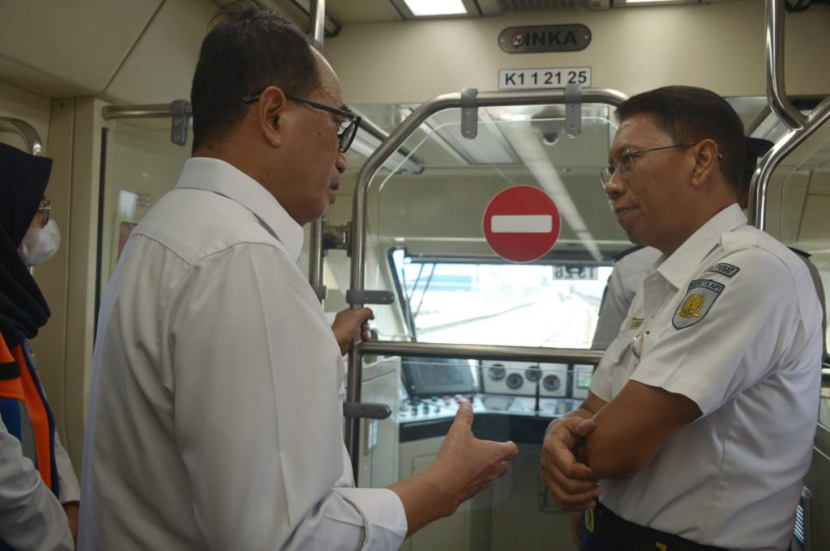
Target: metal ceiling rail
801,126
358,250
25,131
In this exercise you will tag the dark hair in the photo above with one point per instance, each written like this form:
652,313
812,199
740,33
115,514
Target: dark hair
689,115
250,49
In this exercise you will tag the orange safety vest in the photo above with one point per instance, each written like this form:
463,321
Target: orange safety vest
25,412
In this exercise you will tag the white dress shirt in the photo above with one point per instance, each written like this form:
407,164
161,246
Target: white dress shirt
215,408
731,320
70,489
31,519
625,282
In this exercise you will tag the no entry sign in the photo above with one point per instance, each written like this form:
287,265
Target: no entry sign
521,223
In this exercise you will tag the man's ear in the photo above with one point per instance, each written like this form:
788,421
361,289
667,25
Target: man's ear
707,158
272,102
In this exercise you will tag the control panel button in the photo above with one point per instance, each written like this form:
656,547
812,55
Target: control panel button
497,372
552,383
533,373
515,380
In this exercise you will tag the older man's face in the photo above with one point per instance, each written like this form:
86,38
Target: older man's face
319,164
647,190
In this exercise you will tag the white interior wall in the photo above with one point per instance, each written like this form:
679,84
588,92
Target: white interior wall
718,46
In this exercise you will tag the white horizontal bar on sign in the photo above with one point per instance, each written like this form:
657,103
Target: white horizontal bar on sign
521,223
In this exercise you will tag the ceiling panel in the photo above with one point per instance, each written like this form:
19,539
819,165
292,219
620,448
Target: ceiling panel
361,11
82,43
26,78
160,67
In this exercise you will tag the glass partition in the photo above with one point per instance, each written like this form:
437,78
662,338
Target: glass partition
798,200
426,238
140,165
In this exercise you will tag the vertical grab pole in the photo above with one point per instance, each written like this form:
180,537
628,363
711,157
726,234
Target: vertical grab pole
779,103
315,254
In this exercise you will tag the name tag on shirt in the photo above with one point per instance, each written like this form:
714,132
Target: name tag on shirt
635,324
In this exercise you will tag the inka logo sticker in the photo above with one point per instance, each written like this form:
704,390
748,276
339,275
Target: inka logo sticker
544,38
700,297
517,40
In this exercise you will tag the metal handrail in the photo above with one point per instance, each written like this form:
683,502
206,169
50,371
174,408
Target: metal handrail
25,131
367,172
801,127
776,89
480,352
153,111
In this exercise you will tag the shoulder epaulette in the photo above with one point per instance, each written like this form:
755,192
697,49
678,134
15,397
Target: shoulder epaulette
620,255
799,252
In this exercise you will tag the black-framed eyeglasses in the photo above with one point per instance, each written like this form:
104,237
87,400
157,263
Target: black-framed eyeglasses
349,122
46,208
625,165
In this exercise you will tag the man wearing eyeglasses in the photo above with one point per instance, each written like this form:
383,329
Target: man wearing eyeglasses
699,425
215,414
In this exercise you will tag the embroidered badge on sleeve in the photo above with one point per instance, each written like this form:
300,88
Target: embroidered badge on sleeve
699,299
726,269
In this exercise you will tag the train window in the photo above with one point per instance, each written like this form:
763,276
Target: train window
518,305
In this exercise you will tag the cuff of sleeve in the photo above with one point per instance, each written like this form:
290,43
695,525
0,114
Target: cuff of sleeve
70,491
601,384
695,387
68,483
383,516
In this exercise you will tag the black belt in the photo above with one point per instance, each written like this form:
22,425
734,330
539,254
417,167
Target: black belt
605,531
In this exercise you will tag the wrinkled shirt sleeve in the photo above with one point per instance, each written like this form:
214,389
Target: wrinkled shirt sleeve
70,490
30,516
735,343
256,373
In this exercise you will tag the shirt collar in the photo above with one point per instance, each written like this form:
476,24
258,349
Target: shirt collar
210,174
684,261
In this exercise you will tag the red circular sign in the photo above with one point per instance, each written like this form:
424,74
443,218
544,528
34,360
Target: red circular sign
521,223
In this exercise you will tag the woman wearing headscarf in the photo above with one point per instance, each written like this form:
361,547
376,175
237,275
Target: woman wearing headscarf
31,515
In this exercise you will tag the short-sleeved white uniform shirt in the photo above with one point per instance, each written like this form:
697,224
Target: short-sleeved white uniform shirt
732,321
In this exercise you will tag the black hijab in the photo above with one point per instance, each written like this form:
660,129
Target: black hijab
23,179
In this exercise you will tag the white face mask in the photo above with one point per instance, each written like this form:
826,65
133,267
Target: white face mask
40,244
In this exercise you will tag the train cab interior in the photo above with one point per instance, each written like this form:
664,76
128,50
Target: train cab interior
450,119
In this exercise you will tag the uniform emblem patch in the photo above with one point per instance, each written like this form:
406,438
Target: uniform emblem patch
726,269
699,299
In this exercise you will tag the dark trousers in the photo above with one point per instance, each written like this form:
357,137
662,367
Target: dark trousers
602,530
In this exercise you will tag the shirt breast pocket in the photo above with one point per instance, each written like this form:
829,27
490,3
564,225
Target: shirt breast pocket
619,347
